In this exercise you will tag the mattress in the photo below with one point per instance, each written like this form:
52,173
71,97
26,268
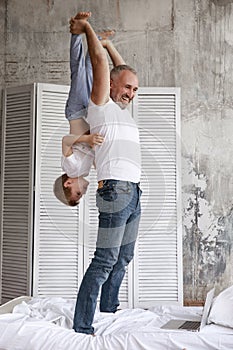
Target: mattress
46,324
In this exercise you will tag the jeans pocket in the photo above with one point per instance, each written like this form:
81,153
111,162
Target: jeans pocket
114,197
107,193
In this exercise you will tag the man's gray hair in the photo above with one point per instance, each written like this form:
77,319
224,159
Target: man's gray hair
118,69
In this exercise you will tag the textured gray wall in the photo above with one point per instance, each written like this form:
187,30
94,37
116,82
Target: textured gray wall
183,43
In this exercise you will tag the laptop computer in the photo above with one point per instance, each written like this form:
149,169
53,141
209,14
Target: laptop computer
193,326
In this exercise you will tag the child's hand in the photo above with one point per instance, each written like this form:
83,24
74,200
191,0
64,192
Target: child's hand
94,139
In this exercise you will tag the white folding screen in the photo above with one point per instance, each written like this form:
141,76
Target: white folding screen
46,246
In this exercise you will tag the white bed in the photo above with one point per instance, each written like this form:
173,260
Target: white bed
46,324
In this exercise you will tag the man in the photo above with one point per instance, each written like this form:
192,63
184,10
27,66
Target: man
77,147
118,168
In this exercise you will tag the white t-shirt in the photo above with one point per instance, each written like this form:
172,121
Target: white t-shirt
79,162
119,156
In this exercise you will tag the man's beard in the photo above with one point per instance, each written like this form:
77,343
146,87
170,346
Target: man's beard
122,105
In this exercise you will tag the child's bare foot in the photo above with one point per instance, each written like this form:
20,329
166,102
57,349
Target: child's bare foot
77,26
77,23
103,36
83,15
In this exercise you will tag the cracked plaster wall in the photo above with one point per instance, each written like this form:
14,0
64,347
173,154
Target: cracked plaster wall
183,43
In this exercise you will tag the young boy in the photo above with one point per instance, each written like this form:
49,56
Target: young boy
77,147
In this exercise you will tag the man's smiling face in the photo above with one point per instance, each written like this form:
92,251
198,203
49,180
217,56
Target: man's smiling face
123,88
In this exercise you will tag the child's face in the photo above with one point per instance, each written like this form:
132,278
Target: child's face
78,188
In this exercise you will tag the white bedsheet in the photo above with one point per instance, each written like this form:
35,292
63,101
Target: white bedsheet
46,324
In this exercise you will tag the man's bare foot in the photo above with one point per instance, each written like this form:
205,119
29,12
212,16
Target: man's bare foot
83,15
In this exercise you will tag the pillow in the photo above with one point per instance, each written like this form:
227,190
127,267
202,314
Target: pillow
221,312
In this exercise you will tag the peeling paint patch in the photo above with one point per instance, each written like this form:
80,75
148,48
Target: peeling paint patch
207,238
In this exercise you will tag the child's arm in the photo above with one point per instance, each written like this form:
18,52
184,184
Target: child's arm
69,140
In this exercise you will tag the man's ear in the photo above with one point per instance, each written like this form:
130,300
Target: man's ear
68,182
111,82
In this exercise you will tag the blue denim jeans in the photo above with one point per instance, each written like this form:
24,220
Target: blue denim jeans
81,80
119,214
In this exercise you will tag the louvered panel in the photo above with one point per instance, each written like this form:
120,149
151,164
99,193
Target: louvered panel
91,233
157,270
91,221
16,221
91,217
56,225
